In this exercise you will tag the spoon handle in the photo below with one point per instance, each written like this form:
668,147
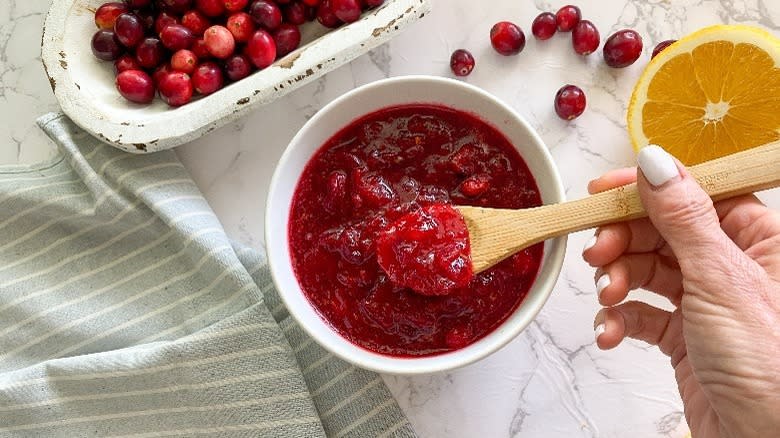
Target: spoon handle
744,172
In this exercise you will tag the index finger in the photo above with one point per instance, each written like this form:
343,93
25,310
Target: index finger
612,179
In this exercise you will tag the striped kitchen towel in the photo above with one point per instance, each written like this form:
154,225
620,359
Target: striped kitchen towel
125,310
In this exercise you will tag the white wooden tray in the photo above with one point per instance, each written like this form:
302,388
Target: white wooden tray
84,85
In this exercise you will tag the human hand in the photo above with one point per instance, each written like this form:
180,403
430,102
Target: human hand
719,265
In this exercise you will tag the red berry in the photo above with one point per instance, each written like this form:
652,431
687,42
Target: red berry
570,102
475,185
138,4
623,48
200,50
373,3
211,8
544,26
126,62
196,22
261,49
160,72
175,6
312,3
163,20
237,67
176,37
266,14
150,52
184,60
176,88
135,86
241,26
219,41
295,13
129,30
461,62
507,38
105,45
106,15
326,17
567,17
287,38
235,5
207,78
347,11
585,38
661,46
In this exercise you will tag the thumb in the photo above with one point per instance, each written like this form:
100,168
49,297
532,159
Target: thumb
685,217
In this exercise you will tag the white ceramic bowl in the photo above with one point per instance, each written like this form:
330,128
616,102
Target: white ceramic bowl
84,86
364,100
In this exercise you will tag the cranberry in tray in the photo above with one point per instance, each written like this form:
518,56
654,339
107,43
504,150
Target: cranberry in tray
401,165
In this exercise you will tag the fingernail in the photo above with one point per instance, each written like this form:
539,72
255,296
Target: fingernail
603,282
599,330
591,243
657,165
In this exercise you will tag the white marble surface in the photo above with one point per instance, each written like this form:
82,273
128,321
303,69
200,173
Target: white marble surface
551,381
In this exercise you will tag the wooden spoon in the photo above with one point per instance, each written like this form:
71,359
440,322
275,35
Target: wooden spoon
496,234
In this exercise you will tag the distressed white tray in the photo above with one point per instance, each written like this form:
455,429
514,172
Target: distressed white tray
84,85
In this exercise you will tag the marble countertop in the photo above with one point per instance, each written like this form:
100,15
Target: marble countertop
551,381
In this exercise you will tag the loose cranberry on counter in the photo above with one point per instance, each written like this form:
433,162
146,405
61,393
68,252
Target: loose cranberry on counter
150,52
585,38
266,14
235,5
507,38
570,102
623,48
176,88
544,26
184,60
462,62
347,11
567,17
106,15
210,8
126,62
241,26
261,49
219,41
135,86
287,38
196,22
106,46
129,30
237,67
661,46
207,78
176,37
326,17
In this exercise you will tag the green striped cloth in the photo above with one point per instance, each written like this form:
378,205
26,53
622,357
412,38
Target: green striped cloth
126,311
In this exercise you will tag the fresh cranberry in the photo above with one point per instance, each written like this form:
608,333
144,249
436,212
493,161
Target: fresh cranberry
176,88
237,67
241,26
570,102
326,17
148,18
373,3
461,62
661,46
126,62
567,17
585,38
347,11
135,86
287,38
149,52
160,72
129,30
177,37
195,21
138,4
266,14
507,38
544,26
211,8
261,49
312,3
164,20
623,48
219,41
184,60
105,45
295,13
200,50
176,6
106,15
207,78
235,5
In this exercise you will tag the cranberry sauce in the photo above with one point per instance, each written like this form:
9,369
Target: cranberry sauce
378,169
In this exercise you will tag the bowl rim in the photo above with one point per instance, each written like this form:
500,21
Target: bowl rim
555,249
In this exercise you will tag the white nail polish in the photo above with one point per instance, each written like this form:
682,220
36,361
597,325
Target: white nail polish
657,165
603,282
599,330
591,243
